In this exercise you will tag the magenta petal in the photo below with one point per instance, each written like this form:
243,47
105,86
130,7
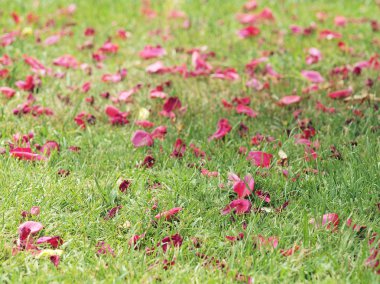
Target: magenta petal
288,100
233,177
249,181
141,138
26,154
112,111
133,240
312,76
55,241
263,195
34,227
8,92
159,132
170,105
243,109
152,52
35,210
104,248
239,206
241,190
340,94
168,214
179,149
49,147
331,219
55,260
260,159
224,128
174,240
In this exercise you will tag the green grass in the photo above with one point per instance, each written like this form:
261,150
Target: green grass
73,207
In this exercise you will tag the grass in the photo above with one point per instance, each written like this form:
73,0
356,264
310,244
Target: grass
73,207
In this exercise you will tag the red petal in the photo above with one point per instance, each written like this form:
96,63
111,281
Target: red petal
340,94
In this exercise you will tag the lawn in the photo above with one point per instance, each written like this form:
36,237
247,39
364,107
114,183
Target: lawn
189,141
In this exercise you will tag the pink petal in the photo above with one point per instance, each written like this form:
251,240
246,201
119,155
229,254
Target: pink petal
241,189
52,40
168,214
34,227
7,92
233,177
112,111
312,76
141,138
67,61
250,31
133,240
55,241
229,74
246,110
144,123
290,251
55,260
26,154
159,132
288,100
174,240
239,237
157,68
104,248
35,210
330,219
49,147
260,159
263,195
152,52
329,35
112,212
238,206
170,105
179,149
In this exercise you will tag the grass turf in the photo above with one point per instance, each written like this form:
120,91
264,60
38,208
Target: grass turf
73,207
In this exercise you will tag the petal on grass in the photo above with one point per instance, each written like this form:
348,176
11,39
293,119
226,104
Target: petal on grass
33,226
312,76
289,100
260,159
141,139
168,214
238,206
224,128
